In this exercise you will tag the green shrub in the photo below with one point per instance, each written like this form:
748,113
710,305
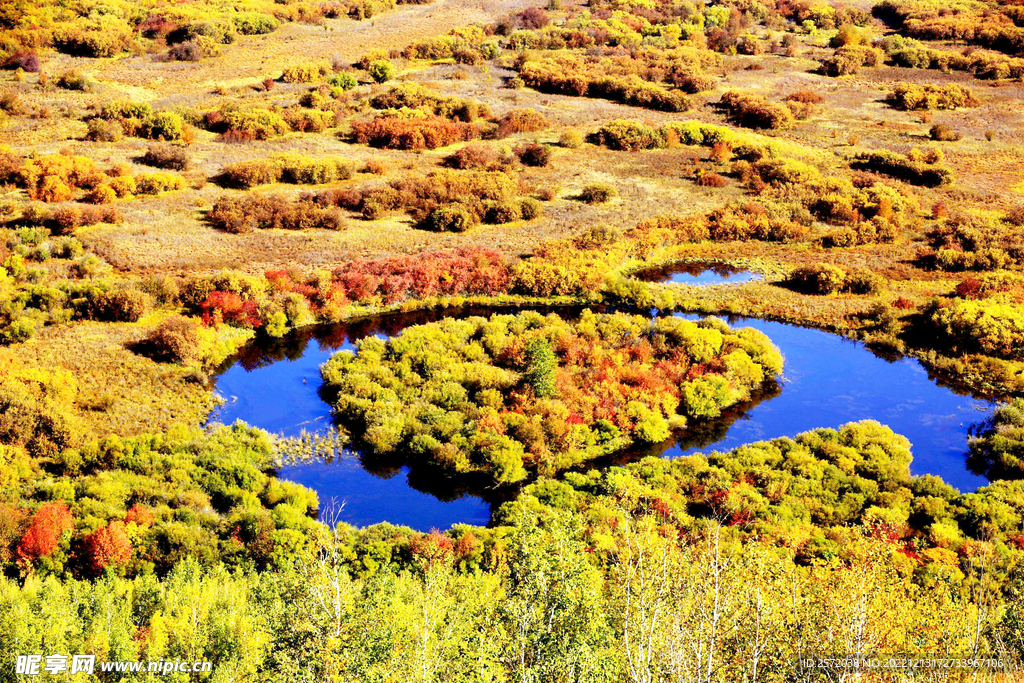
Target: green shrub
345,81
164,125
254,23
994,326
449,218
381,70
819,279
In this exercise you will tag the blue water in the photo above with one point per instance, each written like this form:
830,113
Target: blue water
827,382
698,273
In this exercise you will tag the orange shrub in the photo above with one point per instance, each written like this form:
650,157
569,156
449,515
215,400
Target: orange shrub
391,132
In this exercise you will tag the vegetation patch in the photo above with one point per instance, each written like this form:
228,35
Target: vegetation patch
510,395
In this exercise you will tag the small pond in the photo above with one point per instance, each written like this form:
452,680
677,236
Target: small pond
697,273
828,381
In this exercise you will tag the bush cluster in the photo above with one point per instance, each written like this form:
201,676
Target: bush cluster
393,132
910,97
255,211
915,172
287,168
829,279
849,59
410,95
532,400
754,111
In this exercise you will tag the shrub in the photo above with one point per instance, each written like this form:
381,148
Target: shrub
254,23
538,390
449,218
101,130
381,70
412,96
943,133
254,211
155,183
629,135
753,111
105,37
522,121
850,58
992,326
192,51
708,179
74,79
287,168
530,208
163,125
307,72
472,156
253,124
909,97
176,340
173,157
571,139
26,61
598,193
502,212
829,279
309,120
345,81
819,279
534,154
119,110
400,133
904,168
122,304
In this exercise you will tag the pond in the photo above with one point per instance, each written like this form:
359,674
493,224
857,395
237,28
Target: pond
700,273
827,381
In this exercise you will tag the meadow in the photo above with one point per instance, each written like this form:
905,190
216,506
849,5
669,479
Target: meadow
180,181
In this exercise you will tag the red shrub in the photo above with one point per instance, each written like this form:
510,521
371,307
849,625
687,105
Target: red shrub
45,531
108,547
969,288
470,270
230,308
140,515
396,133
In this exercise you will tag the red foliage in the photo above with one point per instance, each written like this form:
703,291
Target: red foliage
45,531
469,270
395,133
140,515
903,304
229,307
969,288
908,551
108,547
432,547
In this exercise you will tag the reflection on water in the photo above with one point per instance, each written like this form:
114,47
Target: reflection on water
828,381
697,273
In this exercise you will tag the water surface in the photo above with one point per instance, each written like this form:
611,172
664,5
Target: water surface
699,273
827,382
